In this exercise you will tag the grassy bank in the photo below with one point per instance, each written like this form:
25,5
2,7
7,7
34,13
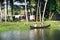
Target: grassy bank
25,26
13,26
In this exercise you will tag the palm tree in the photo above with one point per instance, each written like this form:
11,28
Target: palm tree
38,11
26,11
0,12
5,10
44,13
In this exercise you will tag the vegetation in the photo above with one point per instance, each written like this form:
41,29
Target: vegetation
53,6
13,26
26,26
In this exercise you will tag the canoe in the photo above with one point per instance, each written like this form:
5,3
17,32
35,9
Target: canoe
38,27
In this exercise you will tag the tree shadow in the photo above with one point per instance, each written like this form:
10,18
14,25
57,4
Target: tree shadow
56,34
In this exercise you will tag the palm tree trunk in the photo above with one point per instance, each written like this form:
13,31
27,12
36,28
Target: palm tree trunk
40,11
26,12
0,13
5,11
37,15
44,13
51,15
37,11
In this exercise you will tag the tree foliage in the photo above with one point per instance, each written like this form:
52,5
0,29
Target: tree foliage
53,6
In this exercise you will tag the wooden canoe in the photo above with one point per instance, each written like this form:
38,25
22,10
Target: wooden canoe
38,27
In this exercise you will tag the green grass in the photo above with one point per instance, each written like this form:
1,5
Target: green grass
13,26
25,26
54,24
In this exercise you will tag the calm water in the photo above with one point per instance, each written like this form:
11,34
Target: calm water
36,34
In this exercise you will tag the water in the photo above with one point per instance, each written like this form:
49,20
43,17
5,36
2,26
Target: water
36,34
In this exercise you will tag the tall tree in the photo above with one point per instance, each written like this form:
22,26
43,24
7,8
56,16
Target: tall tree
5,10
38,13
26,11
44,12
0,12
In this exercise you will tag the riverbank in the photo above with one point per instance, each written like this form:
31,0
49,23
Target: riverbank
6,26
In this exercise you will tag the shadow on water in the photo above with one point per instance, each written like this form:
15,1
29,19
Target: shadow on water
56,35
53,34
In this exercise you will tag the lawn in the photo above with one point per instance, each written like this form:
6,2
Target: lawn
6,26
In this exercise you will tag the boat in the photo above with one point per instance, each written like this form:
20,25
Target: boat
39,27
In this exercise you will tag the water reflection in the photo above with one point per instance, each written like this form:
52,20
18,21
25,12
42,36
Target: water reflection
36,34
14,35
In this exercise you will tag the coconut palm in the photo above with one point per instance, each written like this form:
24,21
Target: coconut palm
1,2
0,12
38,11
26,11
44,13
